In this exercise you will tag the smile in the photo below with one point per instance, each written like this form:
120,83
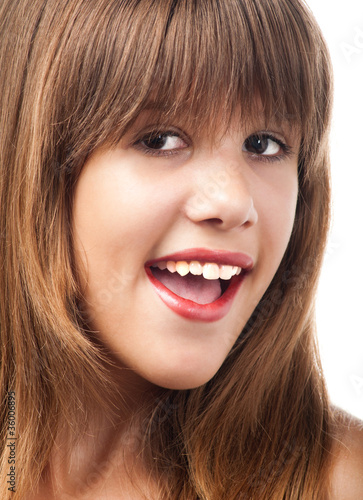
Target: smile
199,284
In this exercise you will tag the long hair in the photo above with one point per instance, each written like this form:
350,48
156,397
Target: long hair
74,75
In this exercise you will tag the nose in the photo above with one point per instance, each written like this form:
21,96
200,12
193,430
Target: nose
222,196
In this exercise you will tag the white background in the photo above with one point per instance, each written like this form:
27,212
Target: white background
340,298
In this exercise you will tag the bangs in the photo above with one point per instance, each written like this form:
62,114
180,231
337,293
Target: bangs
200,61
222,58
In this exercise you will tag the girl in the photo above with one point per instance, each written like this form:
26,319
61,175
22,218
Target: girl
164,210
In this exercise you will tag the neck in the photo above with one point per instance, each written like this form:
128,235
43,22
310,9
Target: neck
108,451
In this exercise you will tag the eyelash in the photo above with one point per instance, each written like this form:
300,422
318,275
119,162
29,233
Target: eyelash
286,150
159,152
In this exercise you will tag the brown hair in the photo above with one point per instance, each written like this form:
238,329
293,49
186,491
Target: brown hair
74,75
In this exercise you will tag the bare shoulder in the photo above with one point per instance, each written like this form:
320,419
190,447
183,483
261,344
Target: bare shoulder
347,466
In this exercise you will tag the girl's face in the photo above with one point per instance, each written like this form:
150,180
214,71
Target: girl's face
220,212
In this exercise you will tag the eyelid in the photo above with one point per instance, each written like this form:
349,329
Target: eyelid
275,136
156,129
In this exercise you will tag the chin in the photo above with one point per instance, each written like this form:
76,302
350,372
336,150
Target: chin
182,385
182,379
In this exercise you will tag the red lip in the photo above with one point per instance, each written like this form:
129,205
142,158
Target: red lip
202,312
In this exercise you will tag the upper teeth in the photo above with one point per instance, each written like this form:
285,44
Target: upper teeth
209,270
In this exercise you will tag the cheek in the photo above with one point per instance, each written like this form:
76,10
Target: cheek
113,214
117,221
276,217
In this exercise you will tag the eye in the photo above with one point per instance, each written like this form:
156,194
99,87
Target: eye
161,143
266,147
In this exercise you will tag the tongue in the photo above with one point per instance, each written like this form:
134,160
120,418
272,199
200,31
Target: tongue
195,288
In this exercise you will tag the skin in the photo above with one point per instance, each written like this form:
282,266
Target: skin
347,459
131,206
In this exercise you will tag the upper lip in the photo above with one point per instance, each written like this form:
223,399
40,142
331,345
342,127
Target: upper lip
221,257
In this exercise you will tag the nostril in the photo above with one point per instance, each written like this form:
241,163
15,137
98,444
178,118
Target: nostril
214,220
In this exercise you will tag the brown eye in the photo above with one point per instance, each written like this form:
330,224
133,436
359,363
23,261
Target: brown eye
262,145
166,141
155,141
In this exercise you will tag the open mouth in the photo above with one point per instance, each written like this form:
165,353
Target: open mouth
199,282
199,290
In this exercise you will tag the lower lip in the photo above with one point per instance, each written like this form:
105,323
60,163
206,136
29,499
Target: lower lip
191,310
